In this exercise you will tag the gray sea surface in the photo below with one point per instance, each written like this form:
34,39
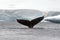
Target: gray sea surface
41,31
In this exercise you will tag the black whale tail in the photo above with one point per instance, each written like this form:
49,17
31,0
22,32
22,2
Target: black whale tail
31,23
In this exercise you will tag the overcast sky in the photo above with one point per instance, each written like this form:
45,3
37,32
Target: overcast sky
43,5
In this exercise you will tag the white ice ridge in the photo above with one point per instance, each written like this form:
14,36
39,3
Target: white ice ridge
55,19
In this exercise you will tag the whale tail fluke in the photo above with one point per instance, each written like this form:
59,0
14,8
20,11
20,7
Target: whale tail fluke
31,23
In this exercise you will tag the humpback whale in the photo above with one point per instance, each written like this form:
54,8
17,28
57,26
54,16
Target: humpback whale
31,23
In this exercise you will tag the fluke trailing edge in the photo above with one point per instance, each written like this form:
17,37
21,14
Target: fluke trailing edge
31,23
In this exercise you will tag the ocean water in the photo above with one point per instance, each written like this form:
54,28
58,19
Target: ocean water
17,25
41,31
